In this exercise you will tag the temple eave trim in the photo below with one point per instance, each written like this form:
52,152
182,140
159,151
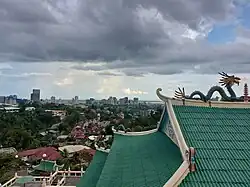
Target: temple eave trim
179,175
193,102
177,130
135,133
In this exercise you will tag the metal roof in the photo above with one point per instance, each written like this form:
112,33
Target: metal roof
73,148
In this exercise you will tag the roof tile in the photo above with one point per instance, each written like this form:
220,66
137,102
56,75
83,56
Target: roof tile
221,139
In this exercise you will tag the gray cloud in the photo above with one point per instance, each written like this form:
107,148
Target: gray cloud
189,12
134,36
106,73
25,75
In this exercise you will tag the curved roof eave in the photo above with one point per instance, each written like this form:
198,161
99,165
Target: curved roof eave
140,161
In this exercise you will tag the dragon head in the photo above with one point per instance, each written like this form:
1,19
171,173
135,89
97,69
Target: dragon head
229,80
180,93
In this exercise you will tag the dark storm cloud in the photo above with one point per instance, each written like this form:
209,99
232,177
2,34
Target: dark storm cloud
188,12
95,31
142,36
20,11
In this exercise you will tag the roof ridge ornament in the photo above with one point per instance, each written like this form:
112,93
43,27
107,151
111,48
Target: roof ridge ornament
226,81
161,97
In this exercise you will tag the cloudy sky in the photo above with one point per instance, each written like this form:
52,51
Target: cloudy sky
129,48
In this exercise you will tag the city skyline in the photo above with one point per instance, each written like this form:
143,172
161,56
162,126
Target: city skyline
53,98
129,93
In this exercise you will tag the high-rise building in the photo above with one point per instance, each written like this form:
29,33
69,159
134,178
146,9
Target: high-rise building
111,100
76,99
136,100
246,93
115,100
126,100
2,99
53,99
35,95
11,99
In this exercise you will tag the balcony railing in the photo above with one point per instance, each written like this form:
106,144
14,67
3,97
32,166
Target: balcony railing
47,181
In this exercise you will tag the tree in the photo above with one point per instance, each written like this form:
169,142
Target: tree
8,166
22,130
108,130
73,118
18,138
138,128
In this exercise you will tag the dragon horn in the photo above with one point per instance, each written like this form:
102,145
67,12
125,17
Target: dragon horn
183,91
225,74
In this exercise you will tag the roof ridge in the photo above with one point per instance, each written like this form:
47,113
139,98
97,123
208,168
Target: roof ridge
108,155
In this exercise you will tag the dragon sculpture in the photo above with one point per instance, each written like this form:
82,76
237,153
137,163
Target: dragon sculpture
227,81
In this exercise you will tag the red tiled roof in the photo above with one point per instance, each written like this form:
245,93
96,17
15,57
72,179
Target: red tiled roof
80,136
78,133
51,152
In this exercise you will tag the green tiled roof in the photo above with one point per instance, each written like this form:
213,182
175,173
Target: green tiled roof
221,137
24,179
140,161
46,165
94,170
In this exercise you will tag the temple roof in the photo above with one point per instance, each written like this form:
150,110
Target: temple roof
92,174
24,179
221,139
46,165
146,160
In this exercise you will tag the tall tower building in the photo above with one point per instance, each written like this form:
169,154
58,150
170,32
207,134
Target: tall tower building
136,100
245,93
53,99
76,99
35,95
